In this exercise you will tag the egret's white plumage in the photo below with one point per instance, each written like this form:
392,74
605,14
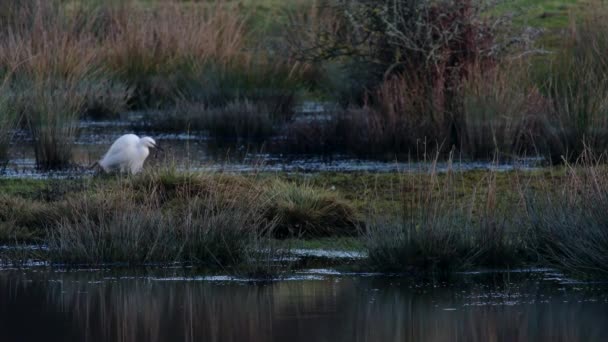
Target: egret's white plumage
127,154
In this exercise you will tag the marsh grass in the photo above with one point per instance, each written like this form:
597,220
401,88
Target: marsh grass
570,221
22,219
437,227
51,109
159,49
216,227
578,86
301,210
9,120
501,109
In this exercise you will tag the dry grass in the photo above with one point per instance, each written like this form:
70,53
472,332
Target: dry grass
157,49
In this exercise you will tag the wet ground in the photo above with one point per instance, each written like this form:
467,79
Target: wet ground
321,304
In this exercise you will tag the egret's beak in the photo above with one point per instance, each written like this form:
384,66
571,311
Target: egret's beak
159,148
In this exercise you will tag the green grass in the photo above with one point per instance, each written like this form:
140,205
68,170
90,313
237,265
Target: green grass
549,14
436,222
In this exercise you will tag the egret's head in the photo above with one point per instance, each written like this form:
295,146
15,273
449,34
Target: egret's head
149,142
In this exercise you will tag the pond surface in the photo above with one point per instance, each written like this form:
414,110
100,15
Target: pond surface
175,304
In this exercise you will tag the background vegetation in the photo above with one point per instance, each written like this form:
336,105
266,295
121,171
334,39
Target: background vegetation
468,75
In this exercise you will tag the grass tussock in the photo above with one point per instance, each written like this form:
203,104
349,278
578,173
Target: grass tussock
217,227
501,112
51,110
301,210
570,221
578,86
435,226
8,122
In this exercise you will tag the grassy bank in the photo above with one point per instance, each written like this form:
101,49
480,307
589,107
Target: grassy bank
426,221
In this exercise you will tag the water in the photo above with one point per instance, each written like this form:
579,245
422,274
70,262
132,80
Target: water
173,304
198,152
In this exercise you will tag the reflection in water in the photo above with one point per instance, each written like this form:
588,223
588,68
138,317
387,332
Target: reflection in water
99,306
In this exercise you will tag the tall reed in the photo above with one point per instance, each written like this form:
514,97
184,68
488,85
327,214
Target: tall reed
52,109
159,49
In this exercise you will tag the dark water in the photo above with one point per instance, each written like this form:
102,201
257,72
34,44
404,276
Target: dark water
314,305
197,151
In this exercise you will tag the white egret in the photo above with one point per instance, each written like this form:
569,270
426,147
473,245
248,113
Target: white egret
127,154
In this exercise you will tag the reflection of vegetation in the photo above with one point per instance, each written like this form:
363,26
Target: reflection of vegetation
365,309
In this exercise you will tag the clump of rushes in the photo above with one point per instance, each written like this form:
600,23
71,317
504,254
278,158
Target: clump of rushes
8,121
499,109
440,226
570,223
215,227
304,211
159,49
51,109
578,87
